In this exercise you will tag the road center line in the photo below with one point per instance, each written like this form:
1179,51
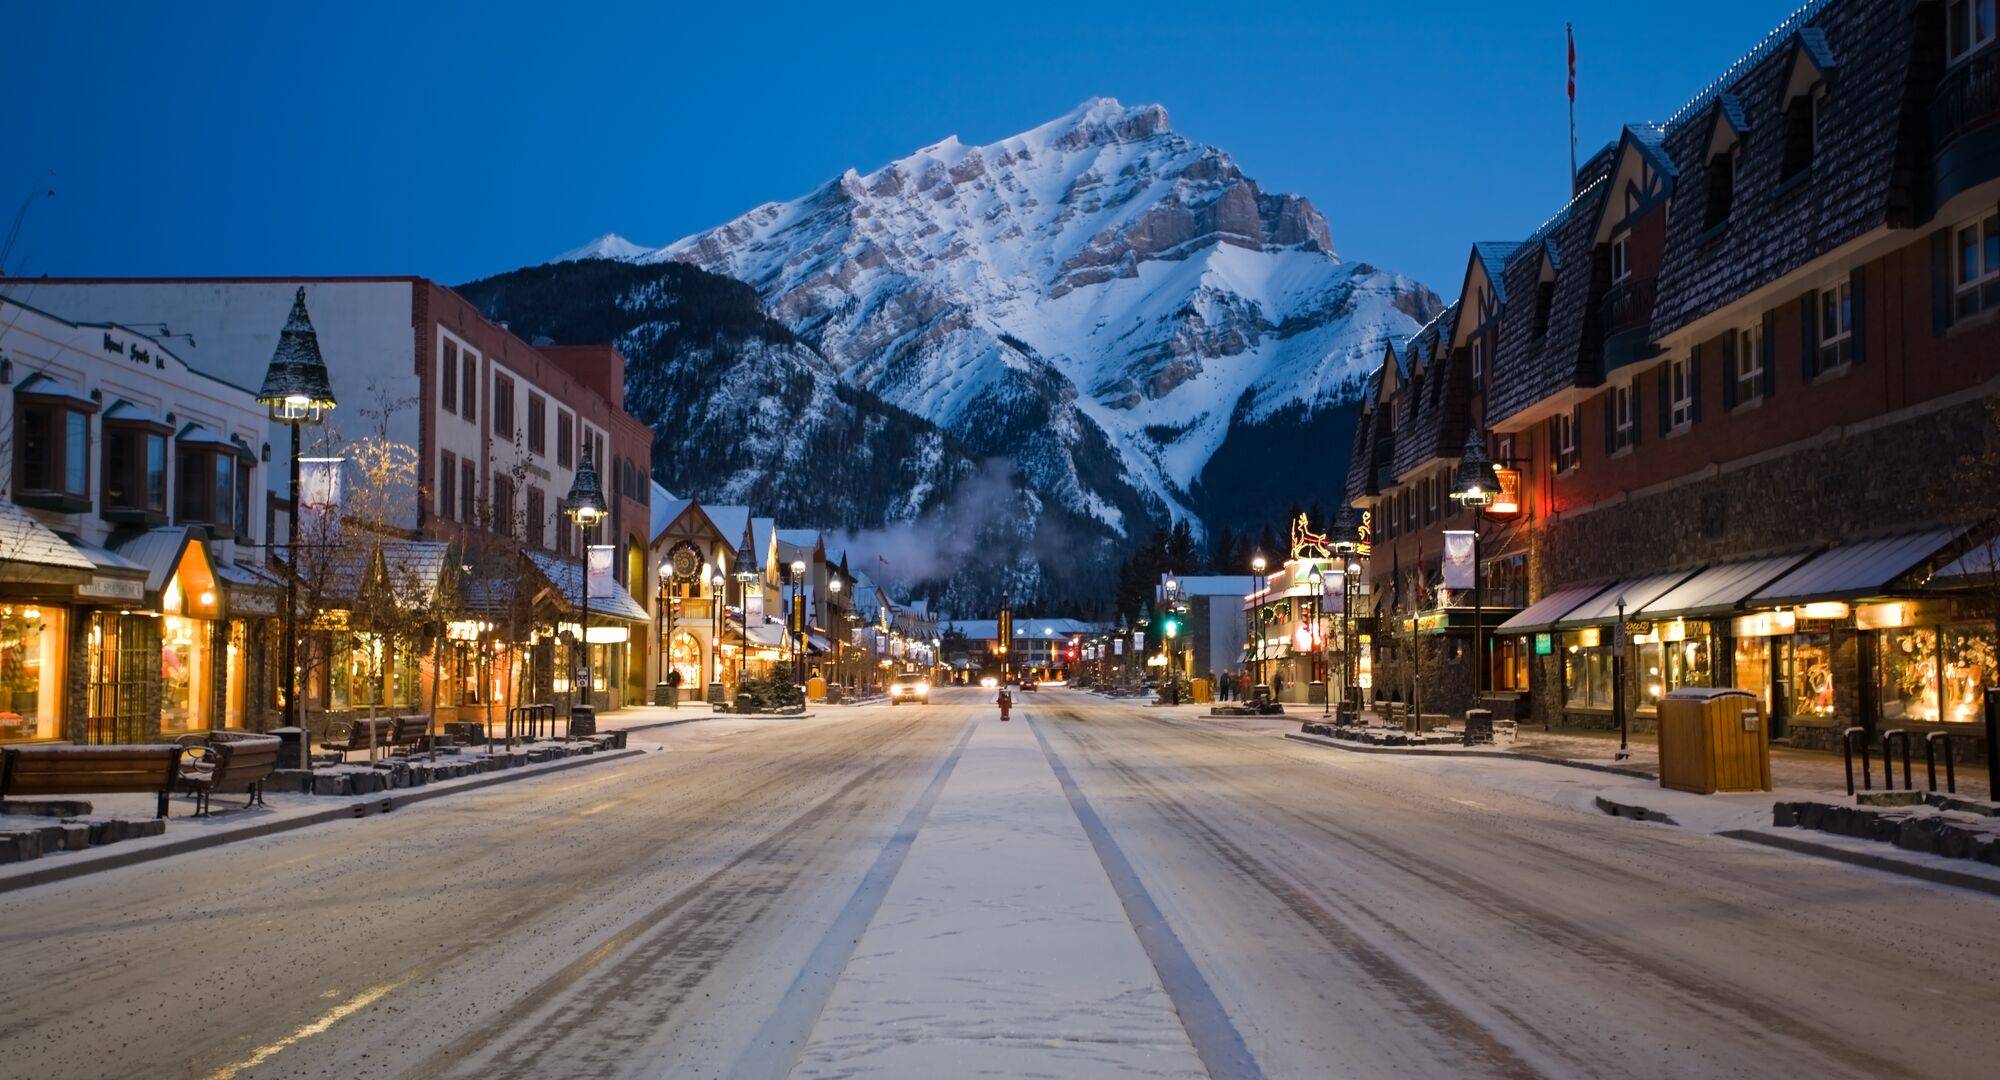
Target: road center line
1216,1040
775,1049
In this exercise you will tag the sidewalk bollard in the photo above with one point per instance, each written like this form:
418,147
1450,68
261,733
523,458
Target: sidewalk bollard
1930,762
1889,737
1848,739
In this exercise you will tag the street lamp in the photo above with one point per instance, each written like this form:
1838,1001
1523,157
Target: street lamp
1318,580
715,598
297,391
1257,613
1345,544
746,572
1474,488
838,619
798,617
661,691
585,506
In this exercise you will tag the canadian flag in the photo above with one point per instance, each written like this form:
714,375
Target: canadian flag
1570,32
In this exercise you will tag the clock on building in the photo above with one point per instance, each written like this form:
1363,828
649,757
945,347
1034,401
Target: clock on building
685,559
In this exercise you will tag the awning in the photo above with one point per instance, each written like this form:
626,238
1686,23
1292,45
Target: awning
1981,561
1543,613
769,635
1853,571
818,643
28,545
250,590
1718,589
159,552
1634,592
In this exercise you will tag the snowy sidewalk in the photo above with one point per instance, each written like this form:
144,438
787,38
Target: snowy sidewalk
1001,948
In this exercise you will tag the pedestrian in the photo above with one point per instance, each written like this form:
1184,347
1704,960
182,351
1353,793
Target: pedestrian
1006,702
674,687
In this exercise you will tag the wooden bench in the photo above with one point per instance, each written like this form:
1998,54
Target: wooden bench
370,733
90,770
410,731
228,760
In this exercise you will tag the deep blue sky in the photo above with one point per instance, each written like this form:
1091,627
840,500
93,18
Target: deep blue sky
355,139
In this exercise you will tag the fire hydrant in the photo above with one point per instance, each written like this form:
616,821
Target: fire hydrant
1006,702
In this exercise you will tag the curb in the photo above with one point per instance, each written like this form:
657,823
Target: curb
657,724
1615,770
380,804
1633,811
1935,874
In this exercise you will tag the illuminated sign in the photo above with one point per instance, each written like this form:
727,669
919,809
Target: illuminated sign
1365,534
1544,644
1507,502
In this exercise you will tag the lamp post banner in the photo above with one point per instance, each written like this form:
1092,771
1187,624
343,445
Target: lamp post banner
319,499
1333,593
1458,556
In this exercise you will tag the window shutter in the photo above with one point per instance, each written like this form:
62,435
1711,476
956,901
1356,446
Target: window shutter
1638,424
1941,281
1666,395
1610,421
1859,319
1728,371
1768,342
1809,334
1694,384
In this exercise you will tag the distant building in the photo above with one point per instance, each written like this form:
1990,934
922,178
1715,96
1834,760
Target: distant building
1215,632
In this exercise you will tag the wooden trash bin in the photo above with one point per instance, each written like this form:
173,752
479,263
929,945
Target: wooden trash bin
816,689
1713,739
1202,691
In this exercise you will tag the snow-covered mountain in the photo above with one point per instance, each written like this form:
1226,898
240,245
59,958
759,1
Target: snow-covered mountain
1114,307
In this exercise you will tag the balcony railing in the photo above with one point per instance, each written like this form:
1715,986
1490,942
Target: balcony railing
1627,306
1967,98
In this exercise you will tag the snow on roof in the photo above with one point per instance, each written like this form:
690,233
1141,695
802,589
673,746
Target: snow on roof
159,551
607,597
665,511
730,521
25,540
1212,585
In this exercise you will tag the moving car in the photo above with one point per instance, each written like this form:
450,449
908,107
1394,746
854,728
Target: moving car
1030,683
989,682
910,686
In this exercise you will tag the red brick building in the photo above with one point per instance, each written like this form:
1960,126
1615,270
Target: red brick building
1747,377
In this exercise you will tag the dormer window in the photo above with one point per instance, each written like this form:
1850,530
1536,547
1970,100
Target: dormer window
1968,26
205,480
135,466
1545,303
52,446
1723,169
1478,359
1621,259
1804,116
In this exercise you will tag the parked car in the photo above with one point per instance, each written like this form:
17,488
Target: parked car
910,686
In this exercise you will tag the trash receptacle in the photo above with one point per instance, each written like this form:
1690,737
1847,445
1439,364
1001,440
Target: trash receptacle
1713,739
816,689
1202,691
582,721
1478,726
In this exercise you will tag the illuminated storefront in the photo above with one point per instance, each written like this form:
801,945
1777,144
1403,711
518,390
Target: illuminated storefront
31,672
189,608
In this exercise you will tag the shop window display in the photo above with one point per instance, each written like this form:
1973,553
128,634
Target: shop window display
1587,677
1752,658
1969,661
1811,675
30,672
1909,674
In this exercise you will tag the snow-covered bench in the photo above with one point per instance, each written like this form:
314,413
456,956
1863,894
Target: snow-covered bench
90,770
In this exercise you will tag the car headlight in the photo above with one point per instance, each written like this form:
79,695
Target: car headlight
923,688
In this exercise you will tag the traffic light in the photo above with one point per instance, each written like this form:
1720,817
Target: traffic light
1171,626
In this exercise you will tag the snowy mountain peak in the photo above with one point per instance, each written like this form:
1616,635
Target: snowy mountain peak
1099,299
608,246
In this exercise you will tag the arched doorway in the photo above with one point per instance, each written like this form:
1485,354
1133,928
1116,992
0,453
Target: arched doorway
687,659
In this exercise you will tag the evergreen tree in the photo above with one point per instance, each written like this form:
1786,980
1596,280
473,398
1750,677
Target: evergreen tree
1222,553
1267,546
1179,555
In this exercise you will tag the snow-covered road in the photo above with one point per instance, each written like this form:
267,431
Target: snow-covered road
1095,889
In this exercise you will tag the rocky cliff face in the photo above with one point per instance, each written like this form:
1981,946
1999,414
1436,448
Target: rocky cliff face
744,412
1100,299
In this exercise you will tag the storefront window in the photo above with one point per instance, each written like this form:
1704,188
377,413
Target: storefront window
1670,665
1969,663
687,659
185,682
1587,676
30,672
1909,674
1811,675
1510,663
1753,668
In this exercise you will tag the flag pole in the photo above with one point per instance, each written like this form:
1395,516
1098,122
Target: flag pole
1569,32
